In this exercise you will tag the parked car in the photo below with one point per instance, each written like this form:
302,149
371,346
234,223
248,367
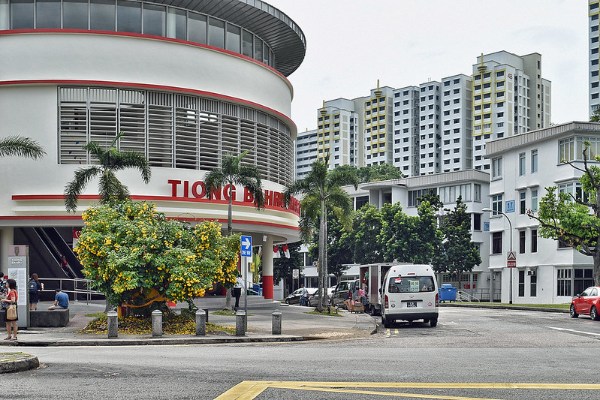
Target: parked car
340,294
313,300
586,302
294,297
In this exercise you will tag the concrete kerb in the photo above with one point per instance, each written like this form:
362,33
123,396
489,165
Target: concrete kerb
16,362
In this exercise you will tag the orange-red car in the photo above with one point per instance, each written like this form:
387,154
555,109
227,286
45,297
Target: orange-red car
586,302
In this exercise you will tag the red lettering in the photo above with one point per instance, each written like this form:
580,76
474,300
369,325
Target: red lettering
215,194
202,192
174,183
277,199
186,189
248,196
269,197
227,190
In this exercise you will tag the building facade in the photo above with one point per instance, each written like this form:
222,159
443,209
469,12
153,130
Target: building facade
594,79
185,83
546,271
472,186
438,127
306,152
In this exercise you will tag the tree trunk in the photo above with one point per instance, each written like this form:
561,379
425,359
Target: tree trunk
322,253
229,212
596,258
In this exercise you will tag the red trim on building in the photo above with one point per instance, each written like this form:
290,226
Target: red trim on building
50,197
198,92
150,37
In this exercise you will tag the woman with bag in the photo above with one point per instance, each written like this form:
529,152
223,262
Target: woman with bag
11,315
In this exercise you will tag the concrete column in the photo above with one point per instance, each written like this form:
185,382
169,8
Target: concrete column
157,323
276,328
240,323
267,267
201,323
6,240
113,324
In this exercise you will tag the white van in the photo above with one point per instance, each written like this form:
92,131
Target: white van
409,292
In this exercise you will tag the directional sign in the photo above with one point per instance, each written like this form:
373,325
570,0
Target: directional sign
246,246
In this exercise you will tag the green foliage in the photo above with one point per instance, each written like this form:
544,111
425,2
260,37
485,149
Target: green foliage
322,192
379,172
20,147
134,254
111,160
366,230
457,253
282,267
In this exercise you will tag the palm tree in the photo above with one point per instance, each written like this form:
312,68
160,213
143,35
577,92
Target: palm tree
231,173
322,190
111,160
20,147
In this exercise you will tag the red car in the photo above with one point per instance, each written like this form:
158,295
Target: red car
587,302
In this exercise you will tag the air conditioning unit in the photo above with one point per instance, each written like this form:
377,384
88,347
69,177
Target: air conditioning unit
531,272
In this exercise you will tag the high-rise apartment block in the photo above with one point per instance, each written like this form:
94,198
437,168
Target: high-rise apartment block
594,8
438,127
306,152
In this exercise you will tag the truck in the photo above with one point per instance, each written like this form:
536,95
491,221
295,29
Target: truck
371,278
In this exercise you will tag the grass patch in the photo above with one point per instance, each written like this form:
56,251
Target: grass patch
333,312
96,315
172,325
225,312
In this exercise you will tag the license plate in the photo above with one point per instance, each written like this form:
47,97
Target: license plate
411,304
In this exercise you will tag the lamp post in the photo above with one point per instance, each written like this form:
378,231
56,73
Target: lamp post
510,288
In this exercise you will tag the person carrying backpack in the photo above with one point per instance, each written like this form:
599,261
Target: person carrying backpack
35,287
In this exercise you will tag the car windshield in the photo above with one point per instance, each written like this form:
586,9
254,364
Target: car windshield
411,284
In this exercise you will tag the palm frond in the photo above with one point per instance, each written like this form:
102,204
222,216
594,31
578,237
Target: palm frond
132,159
111,189
74,188
21,147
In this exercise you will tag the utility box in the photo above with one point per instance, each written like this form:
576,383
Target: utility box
447,292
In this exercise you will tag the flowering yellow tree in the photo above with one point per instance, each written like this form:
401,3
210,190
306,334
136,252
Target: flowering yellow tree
135,255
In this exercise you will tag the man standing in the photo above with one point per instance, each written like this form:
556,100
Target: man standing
237,291
304,297
61,300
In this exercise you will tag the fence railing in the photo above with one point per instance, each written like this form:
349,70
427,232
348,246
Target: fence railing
77,289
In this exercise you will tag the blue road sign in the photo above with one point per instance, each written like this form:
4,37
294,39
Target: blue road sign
246,246
510,206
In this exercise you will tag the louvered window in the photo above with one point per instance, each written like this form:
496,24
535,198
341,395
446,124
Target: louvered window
172,130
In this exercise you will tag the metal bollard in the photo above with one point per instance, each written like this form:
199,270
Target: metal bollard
240,323
201,323
206,310
157,323
276,328
113,324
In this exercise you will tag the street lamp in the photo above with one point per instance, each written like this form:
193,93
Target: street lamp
510,289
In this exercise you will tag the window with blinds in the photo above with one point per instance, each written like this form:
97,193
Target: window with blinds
172,130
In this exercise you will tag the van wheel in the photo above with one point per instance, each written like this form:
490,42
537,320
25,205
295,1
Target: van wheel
433,322
425,321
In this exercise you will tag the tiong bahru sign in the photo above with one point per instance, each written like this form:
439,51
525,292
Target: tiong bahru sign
181,189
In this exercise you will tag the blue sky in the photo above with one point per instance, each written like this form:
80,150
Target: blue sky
352,43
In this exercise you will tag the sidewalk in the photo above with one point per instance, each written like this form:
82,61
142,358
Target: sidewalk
296,324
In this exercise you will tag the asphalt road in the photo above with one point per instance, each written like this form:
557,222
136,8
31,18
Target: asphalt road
471,354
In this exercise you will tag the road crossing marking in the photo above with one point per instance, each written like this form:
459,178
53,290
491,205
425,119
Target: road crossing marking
574,331
249,390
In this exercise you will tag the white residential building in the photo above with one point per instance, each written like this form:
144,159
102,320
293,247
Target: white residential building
456,124
406,130
306,153
522,167
509,98
593,9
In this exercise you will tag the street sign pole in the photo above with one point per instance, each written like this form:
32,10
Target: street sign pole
245,253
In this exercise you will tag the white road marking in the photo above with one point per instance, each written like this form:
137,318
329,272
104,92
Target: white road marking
574,331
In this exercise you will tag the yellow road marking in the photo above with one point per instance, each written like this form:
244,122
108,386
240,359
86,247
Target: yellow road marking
249,390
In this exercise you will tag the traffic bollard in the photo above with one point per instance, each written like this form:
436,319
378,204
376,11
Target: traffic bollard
240,323
276,328
201,322
157,323
113,324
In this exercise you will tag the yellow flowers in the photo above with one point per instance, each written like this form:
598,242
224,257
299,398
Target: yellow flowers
130,247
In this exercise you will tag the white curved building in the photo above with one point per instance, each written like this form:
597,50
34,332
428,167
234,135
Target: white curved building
185,81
